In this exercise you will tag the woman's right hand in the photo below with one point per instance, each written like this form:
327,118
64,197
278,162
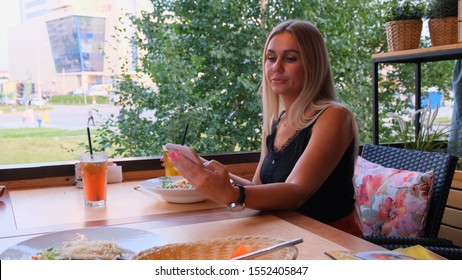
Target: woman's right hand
210,179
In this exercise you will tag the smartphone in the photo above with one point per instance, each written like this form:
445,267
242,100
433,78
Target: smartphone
184,151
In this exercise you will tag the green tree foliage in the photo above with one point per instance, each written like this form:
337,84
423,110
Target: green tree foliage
353,30
205,58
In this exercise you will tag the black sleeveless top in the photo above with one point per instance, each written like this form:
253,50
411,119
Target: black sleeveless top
334,199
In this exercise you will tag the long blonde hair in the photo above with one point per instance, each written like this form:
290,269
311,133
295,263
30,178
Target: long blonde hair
318,91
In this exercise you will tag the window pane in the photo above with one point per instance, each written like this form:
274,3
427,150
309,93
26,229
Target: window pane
58,63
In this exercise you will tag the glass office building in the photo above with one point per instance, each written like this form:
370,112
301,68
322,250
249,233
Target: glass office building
77,43
69,46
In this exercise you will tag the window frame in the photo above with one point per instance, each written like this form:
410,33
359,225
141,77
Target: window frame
46,170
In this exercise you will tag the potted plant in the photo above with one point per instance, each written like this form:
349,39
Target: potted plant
442,23
404,24
429,137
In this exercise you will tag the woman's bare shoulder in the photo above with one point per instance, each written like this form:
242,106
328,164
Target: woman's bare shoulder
335,118
337,111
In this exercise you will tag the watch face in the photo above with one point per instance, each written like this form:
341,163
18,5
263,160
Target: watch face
236,207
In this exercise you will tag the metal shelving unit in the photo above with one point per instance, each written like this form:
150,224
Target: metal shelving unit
416,56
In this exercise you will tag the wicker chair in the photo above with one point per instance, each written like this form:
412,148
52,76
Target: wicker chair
444,166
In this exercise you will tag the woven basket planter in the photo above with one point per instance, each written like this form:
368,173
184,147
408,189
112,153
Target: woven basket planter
403,34
443,31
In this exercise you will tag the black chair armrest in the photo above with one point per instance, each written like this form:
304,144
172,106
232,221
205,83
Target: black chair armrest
409,241
440,246
450,253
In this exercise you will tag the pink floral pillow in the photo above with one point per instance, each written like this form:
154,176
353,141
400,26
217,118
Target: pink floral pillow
392,202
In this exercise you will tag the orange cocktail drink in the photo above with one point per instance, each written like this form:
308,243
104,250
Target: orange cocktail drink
94,175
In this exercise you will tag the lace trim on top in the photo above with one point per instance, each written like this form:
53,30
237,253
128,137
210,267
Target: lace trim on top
316,116
276,149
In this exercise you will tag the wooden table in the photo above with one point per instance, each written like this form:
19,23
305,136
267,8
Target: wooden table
29,212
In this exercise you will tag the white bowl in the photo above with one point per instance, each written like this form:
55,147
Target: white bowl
177,195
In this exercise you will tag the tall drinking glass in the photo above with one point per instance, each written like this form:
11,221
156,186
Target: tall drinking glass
94,174
168,165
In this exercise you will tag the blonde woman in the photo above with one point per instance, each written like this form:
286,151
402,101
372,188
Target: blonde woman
309,142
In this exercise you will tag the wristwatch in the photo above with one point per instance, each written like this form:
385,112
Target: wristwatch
239,204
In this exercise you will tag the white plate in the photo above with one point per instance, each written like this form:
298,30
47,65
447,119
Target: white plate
131,241
172,195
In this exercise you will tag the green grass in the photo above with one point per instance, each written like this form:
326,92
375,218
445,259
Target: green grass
442,120
76,100
33,145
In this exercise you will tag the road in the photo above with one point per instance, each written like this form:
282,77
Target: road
76,117
61,116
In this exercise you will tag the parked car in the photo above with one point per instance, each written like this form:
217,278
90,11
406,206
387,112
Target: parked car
37,102
21,101
102,90
78,91
7,101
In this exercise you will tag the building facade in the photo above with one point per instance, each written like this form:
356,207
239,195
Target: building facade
68,46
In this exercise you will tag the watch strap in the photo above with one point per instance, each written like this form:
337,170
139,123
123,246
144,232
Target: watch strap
239,204
241,199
